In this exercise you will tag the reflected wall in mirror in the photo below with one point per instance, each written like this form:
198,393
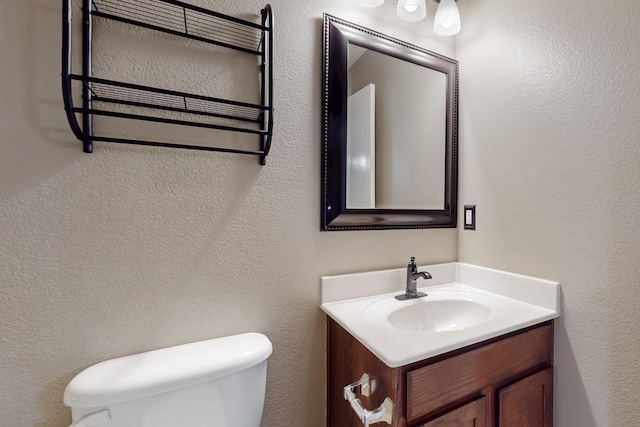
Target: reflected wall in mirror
389,134
395,132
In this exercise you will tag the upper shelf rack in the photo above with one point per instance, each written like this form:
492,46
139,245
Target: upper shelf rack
99,96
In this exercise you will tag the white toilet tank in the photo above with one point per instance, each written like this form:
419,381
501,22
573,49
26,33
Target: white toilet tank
214,383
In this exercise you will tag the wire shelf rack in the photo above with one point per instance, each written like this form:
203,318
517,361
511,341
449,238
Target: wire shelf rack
99,96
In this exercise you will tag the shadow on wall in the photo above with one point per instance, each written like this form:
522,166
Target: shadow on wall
567,376
32,115
49,403
623,297
41,88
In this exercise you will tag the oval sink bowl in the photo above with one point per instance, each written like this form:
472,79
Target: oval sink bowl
440,315
439,311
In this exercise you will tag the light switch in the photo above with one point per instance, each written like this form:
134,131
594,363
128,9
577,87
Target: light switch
470,217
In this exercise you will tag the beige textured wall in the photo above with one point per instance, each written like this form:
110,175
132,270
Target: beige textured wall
550,151
130,249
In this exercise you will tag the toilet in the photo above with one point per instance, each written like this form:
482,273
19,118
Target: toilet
214,383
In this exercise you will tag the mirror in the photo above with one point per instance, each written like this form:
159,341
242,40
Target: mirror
389,132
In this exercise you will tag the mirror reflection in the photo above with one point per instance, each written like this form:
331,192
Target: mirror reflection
396,118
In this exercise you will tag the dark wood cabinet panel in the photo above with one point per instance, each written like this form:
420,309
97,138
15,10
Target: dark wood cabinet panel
347,360
473,414
527,403
458,378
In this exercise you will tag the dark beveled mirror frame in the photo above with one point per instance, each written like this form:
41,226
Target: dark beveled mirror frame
338,34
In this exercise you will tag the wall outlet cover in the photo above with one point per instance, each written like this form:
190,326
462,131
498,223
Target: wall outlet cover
469,217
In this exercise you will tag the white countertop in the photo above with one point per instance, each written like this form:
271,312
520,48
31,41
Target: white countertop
360,303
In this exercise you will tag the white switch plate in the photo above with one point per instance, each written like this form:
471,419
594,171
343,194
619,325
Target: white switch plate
470,217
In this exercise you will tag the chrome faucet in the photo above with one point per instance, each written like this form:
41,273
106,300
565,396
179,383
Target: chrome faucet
412,277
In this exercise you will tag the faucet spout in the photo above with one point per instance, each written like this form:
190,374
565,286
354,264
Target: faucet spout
412,277
424,274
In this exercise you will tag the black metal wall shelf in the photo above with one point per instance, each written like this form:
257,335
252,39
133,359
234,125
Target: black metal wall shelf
100,97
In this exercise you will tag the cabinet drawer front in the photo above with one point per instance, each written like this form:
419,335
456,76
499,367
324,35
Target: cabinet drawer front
472,414
450,381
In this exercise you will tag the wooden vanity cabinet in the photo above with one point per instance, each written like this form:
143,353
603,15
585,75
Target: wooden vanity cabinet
503,382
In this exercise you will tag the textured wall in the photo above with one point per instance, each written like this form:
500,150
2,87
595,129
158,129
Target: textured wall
550,154
132,248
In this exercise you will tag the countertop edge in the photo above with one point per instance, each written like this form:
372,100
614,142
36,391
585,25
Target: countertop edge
541,313
399,362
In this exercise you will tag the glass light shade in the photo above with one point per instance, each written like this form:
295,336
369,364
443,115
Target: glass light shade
411,10
447,19
370,3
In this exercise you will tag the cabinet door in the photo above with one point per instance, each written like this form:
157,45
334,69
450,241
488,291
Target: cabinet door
473,414
527,403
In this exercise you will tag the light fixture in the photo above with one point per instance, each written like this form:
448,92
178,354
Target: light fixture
407,10
447,19
370,3
445,23
411,10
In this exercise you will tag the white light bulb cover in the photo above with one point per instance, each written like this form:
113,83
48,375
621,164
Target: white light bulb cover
418,14
447,19
370,3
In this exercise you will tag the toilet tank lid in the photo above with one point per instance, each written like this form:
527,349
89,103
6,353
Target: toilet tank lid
158,371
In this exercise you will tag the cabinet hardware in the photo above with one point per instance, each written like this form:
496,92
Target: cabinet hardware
383,413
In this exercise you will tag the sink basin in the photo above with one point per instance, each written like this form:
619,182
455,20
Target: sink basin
439,311
440,316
